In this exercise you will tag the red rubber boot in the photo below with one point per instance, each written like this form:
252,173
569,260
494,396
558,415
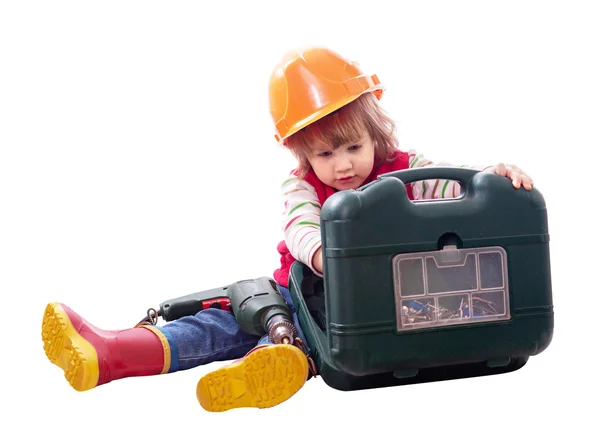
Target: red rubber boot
90,356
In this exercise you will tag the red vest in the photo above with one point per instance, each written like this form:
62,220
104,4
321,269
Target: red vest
400,162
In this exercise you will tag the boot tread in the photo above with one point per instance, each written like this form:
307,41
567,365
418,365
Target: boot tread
264,378
67,349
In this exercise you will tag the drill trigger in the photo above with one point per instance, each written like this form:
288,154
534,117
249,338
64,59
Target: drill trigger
219,303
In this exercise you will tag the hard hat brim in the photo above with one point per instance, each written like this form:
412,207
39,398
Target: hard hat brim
326,110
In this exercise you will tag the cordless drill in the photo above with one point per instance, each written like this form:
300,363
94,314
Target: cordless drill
257,305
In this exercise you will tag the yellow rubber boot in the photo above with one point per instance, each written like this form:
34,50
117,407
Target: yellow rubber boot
268,375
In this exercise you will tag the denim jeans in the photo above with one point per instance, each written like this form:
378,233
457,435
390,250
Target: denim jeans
214,335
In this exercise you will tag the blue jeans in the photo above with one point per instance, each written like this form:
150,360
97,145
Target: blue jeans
214,335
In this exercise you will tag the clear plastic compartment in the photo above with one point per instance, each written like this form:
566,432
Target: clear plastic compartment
451,286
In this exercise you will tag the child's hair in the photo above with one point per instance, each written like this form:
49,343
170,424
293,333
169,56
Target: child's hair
343,126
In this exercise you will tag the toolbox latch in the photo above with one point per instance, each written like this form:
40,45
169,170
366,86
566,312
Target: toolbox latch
450,253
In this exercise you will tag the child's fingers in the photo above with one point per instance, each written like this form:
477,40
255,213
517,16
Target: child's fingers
516,175
527,182
516,178
500,169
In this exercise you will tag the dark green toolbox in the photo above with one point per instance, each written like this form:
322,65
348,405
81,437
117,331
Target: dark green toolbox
417,291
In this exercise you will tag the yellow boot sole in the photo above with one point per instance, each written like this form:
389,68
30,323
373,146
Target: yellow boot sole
264,378
65,348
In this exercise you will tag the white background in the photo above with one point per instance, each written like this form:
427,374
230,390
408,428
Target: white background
138,164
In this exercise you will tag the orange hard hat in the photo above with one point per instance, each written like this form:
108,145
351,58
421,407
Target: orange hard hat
308,84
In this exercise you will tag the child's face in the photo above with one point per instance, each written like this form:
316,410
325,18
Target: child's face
344,167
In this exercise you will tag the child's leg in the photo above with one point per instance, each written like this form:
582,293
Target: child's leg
91,356
268,375
210,335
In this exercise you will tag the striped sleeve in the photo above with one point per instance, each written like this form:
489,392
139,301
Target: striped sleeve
435,188
301,219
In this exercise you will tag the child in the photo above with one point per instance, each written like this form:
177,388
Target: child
326,113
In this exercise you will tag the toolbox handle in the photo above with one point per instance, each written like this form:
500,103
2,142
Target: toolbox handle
461,174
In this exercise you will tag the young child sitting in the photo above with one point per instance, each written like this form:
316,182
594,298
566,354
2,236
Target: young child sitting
326,111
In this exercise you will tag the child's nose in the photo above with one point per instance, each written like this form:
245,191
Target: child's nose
343,164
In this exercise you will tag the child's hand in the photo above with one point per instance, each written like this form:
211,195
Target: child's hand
512,172
317,261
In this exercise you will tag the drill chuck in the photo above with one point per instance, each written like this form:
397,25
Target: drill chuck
281,330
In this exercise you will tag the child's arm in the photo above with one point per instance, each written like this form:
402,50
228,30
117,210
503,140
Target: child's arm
435,189
301,222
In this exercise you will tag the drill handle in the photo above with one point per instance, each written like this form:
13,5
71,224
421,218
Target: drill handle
191,304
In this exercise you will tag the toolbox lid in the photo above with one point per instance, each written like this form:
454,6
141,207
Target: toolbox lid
450,286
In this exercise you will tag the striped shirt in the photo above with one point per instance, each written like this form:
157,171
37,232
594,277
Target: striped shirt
302,210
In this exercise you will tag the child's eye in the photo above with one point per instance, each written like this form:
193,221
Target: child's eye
355,147
324,154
